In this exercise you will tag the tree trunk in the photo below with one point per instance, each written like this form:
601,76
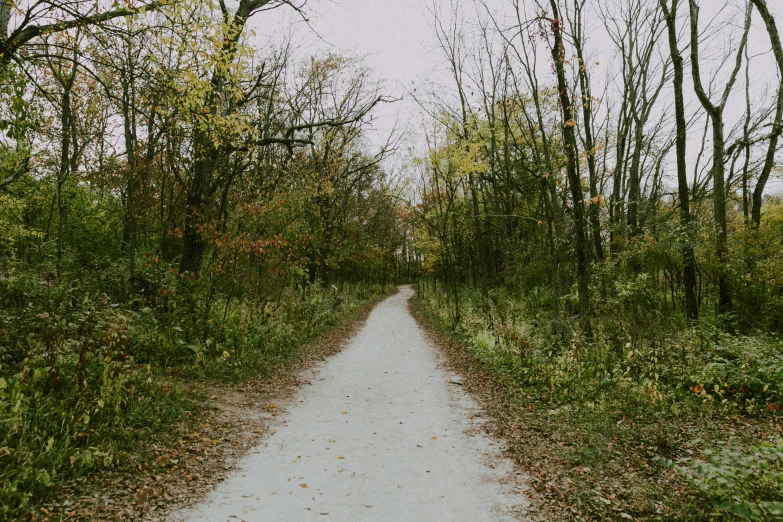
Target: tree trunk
594,208
5,19
129,127
67,150
62,175
574,180
193,242
769,163
715,113
634,179
719,208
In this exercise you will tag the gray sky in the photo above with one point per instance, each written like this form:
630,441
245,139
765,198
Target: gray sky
396,39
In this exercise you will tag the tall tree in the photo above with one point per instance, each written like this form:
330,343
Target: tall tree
572,169
777,125
716,115
577,22
688,257
221,100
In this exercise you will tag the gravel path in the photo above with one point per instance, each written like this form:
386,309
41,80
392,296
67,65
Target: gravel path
381,434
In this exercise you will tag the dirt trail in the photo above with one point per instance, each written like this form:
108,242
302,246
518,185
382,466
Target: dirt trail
380,434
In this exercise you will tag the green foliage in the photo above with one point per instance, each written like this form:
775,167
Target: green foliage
85,380
16,115
643,367
71,399
740,483
663,370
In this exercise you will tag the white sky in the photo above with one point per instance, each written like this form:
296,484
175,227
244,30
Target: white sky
397,40
394,37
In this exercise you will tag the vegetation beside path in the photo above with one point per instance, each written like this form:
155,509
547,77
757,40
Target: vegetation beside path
129,426
686,434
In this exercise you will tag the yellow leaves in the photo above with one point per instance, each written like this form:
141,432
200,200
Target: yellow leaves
433,438
570,123
340,457
303,486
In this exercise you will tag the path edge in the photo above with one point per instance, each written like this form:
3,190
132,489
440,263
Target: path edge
478,384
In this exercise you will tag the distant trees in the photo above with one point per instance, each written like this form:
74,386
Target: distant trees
602,190
163,118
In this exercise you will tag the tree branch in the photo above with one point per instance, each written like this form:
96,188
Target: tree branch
19,172
340,123
9,45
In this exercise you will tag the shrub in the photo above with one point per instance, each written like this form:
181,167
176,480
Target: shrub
744,483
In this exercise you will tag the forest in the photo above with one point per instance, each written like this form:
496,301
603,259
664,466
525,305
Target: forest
590,210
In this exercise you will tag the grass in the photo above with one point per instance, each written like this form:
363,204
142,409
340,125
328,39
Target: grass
88,386
601,436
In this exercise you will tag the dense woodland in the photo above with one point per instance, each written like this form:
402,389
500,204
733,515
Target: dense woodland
181,199
617,250
174,200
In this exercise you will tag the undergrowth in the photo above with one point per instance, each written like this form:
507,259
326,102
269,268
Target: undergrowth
671,394
87,376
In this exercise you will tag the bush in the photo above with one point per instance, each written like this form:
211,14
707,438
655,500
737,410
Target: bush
70,397
86,377
744,483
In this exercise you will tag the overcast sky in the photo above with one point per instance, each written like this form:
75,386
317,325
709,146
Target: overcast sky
396,38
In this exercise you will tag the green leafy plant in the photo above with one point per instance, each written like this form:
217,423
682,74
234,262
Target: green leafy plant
739,482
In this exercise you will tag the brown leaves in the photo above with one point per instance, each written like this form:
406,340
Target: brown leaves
175,467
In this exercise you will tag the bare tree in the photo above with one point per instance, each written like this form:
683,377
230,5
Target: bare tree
715,113
777,125
572,169
67,15
686,242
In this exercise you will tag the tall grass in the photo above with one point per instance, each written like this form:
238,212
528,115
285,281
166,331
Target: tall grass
87,377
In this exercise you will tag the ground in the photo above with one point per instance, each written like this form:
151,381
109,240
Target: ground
379,432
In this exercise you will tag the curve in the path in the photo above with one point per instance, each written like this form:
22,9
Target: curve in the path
380,435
